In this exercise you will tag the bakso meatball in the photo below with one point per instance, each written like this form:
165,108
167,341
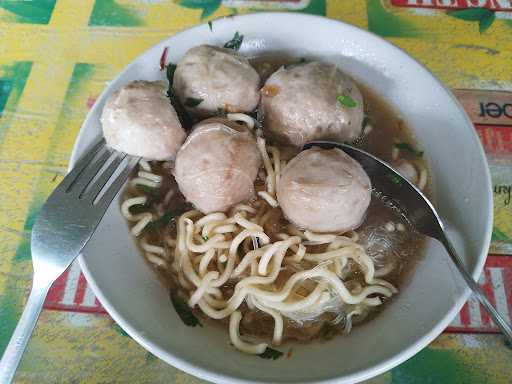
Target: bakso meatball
139,120
211,79
216,167
311,101
324,191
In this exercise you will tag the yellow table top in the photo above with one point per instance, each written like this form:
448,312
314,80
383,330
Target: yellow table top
57,55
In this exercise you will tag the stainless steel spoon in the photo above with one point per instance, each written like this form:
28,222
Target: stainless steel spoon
417,210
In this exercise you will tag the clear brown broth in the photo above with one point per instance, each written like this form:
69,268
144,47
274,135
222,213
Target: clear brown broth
403,248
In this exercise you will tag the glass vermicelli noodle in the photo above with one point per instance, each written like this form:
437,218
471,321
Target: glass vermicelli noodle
251,233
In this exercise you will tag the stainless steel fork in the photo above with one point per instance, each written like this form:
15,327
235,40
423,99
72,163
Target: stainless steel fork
65,224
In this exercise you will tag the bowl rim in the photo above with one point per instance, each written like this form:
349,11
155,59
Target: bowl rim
383,366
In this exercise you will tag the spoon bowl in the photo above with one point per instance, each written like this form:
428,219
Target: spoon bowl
414,207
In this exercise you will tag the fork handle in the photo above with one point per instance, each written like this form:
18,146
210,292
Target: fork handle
500,322
19,339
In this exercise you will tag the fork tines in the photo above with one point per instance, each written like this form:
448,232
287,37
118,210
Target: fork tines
92,173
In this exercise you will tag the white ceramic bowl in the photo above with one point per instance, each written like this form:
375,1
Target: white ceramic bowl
427,302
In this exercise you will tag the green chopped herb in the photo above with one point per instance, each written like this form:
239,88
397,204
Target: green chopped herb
205,238
236,42
346,101
210,25
271,353
409,148
395,179
192,102
184,311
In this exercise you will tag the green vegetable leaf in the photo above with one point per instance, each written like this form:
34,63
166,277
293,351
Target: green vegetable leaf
271,353
346,101
409,148
470,14
210,25
486,22
165,219
192,102
205,238
185,119
171,68
184,311
236,42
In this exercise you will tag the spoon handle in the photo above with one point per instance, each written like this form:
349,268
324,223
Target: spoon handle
504,327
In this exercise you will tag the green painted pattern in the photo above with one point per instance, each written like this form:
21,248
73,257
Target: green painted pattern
120,330
10,305
81,73
208,7
110,13
29,12
14,291
484,17
5,89
23,251
498,235
386,24
315,7
437,366
16,76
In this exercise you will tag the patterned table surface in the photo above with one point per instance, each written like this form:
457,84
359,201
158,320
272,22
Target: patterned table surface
56,57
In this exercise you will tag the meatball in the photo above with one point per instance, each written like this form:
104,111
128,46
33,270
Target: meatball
139,120
324,191
311,101
216,167
216,79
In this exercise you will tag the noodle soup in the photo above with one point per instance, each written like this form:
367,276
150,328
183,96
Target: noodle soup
251,270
